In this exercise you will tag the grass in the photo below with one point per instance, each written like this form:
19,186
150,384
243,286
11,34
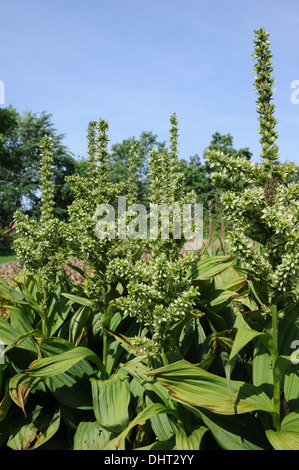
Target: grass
7,257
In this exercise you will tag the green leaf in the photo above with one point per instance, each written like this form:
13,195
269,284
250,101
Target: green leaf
72,388
288,436
34,430
125,342
8,333
51,366
192,385
192,442
281,365
163,426
145,414
35,305
20,386
211,266
142,375
79,300
159,445
242,338
288,336
91,436
5,402
57,315
240,432
111,402
21,338
217,299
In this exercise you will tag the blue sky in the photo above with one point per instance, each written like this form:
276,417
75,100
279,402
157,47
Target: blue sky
136,62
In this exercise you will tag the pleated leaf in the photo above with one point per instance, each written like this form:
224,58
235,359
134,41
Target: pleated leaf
145,414
190,384
288,436
111,400
91,436
239,432
162,424
192,442
51,366
9,334
211,266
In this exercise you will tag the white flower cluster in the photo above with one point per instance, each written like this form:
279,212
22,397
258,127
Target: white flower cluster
159,293
261,200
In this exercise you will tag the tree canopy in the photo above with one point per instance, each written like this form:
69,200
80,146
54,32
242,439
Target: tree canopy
20,140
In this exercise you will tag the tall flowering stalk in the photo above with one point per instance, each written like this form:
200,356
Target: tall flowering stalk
41,245
132,193
89,192
159,291
262,202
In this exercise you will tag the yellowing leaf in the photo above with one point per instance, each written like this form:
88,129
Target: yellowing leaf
192,385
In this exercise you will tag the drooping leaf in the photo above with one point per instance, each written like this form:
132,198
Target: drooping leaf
111,402
51,366
190,384
192,442
288,436
34,430
142,375
79,300
9,334
20,386
5,402
163,425
242,338
145,414
72,388
31,334
239,432
211,266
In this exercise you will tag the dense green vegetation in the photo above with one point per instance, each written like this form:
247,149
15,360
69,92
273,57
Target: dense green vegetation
157,348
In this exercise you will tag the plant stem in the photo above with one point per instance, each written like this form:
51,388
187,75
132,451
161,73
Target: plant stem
104,348
276,377
164,358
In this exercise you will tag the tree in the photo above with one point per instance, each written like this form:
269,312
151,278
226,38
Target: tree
119,162
8,190
196,178
221,143
20,140
224,143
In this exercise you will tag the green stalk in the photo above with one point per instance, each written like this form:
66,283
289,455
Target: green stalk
44,315
164,357
104,348
276,377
